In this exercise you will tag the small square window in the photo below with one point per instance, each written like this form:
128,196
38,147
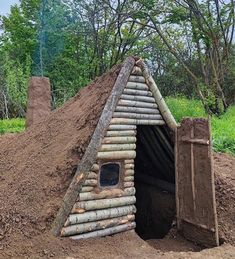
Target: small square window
109,174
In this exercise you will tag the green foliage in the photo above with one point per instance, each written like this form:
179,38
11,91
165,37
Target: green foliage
12,126
223,127
224,132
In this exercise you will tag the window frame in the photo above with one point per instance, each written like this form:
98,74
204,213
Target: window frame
119,185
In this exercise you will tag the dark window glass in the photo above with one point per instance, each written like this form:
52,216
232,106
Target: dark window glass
109,174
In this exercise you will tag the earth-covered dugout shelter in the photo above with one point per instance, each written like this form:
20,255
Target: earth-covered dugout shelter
130,152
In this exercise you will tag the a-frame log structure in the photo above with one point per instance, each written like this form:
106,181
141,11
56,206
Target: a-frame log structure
91,207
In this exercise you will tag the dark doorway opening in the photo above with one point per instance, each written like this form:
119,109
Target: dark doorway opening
154,182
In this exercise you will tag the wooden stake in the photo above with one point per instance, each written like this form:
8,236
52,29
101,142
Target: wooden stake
117,147
106,232
147,99
136,121
113,193
158,97
128,184
124,133
87,189
90,182
95,168
137,116
100,214
129,179
137,110
103,203
139,79
97,225
131,103
129,172
117,155
136,71
119,140
134,92
129,166
121,127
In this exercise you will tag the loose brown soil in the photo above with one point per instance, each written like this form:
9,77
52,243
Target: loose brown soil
37,166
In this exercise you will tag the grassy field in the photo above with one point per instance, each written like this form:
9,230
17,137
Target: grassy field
223,128
12,126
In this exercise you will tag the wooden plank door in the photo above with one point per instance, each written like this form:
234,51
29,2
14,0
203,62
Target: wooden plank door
195,190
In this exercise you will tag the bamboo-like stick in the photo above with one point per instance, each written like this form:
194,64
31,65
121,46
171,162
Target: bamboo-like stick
130,103
95,168
97,225
99,214
129,161
137,116
137,110
147,99
137,86
136,121
121,127
119,140
129,172
139,79
113,193
87,189
90,182
129,166
129,179
92,175
169,119
137,92
103,203
130,154
136,71
128,184
124,133
106,232
117,147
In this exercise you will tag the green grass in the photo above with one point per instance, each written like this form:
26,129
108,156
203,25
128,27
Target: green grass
12,126
223,127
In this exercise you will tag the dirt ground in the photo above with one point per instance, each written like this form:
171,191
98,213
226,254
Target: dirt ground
37,166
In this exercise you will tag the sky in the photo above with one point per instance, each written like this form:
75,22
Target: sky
5,6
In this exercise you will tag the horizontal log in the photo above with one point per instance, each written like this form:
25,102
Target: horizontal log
90,182
100,214
195,141
136,93
136,121
106,232
124,133
92,175
87,189
139,104
137,110
83,206
113,193
121,127
139,79
129,179
129,161
137,116
95,168
136,71
117,147
129,166
97,225
129,172
147,99
119,140
128,184
117,155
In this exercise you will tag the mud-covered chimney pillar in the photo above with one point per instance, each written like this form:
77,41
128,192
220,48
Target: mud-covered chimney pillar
39,100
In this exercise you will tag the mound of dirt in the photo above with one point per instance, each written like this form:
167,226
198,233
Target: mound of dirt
37,166
224,166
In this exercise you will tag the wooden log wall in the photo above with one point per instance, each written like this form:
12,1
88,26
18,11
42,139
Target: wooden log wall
104,211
